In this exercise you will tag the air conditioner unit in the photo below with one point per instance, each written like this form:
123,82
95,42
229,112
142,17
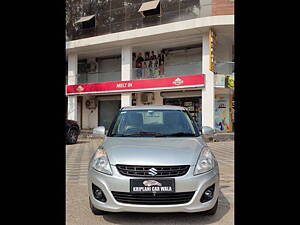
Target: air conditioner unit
91,103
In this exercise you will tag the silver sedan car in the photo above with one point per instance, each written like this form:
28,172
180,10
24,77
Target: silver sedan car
153,159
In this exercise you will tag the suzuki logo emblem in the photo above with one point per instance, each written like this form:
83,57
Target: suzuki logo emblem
152,171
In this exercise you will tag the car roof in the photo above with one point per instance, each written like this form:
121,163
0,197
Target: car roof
149,107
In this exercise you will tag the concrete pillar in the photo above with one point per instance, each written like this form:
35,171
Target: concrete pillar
72,68
208,93
89,116
126,98
158,99
72,73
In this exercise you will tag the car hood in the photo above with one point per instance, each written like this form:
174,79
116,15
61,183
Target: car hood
153,151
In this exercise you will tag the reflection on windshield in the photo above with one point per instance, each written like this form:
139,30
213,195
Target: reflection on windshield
153,123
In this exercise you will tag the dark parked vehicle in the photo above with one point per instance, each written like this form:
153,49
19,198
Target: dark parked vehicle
72,131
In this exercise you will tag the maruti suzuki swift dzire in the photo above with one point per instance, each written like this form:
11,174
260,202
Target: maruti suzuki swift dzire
153,159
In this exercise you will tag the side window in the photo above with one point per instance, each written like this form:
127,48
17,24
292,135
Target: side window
121,126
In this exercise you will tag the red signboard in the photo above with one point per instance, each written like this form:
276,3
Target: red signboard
138,85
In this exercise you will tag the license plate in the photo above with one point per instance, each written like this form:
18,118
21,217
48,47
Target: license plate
152,185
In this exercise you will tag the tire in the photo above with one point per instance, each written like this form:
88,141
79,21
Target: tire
72,136
96,211
213,210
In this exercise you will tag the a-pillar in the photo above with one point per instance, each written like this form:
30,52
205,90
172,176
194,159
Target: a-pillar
126,98
72,72
208,92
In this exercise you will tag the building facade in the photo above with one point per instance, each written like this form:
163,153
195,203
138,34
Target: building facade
137,52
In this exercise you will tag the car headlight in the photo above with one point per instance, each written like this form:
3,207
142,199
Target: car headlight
101,163
206,161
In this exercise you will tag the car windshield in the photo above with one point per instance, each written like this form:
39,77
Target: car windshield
153,123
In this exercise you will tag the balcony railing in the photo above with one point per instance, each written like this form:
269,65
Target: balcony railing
127,18
225,67
223,78
191,68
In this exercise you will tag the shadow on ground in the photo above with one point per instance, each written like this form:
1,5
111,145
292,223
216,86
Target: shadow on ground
170,218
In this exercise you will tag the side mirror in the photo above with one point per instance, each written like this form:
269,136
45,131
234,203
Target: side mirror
99,131
207,131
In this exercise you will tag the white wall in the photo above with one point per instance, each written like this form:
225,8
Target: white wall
72,108
208,92
89,117
126,98
72,73
158,100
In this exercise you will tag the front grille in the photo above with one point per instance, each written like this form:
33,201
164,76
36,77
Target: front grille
151,199
162,171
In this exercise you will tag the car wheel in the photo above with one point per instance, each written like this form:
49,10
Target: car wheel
94,210
72,136
213,210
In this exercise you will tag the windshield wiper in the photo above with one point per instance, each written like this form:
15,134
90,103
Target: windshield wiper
121,135
181,134
141,134
144,134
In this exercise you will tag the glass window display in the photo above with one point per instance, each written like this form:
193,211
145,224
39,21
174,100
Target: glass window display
222,115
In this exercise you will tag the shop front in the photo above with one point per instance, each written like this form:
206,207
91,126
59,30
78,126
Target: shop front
108,107
99,102
103,100
193,104
191,99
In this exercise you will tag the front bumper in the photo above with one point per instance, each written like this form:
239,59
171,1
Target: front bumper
186,183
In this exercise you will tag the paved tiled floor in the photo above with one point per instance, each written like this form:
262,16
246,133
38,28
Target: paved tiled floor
78,212
77,157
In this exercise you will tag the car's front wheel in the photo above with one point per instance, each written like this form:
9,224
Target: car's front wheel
72,136
94,210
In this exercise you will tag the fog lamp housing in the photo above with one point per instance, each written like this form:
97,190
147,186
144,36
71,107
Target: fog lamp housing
98,194
208,194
